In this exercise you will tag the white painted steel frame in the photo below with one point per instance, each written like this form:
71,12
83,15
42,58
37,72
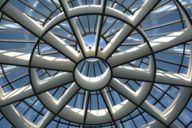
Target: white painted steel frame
135,99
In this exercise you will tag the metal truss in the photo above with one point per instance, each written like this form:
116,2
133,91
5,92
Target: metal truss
59,46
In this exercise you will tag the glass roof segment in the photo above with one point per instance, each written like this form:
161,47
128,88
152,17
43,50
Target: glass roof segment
95,63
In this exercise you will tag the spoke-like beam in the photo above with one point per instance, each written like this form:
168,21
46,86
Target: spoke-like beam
144,75
137,18
172,112
35,28
27,91
16,95
145,106
118,124
59,104
14,58
107,103
53,63
163,43
85,106
67,96
124,90
1,2
54,82
45,120
45,62
143,11
109,107
74,27
16,118
99,27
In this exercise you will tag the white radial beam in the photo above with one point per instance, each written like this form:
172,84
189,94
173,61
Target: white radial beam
165,117
109,107
127,29
74,27
107,102
99,27
38,61
27,91
143,11
157,45
57,105
130,94
53,63
140,95
14,58
45,120
15,95
16,118
98,34
2,2
85,107
144,75
118,124
51,82
172,111
38,30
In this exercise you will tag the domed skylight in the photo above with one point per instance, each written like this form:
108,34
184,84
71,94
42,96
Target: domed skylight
95,63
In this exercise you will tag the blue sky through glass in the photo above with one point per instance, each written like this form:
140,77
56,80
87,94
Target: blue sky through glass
90,40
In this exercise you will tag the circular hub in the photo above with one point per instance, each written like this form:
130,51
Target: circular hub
91,78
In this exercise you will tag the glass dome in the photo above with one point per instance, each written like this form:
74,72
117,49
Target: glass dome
95,63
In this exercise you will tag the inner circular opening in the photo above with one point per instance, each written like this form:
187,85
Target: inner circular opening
92,74
92,67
